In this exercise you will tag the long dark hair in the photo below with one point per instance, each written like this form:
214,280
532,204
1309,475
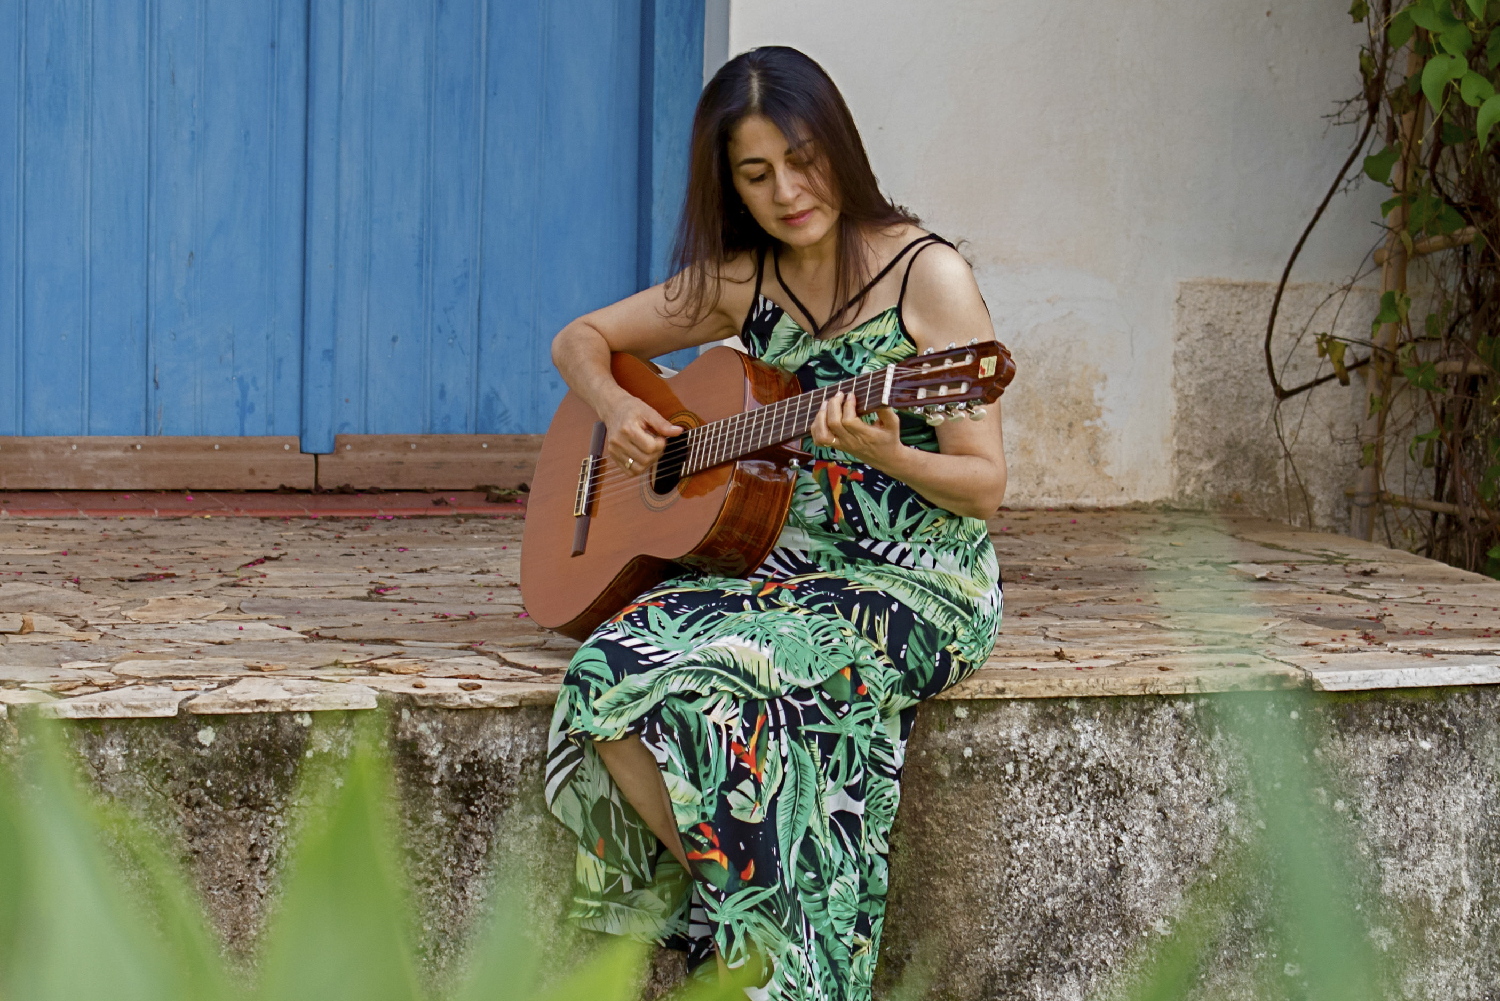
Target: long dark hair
796,94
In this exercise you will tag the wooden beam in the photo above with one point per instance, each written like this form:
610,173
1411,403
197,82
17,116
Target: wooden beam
1471,367
1418,504
429,461
1432,244
156,462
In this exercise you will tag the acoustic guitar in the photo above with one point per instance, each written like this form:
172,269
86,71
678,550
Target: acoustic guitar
716,498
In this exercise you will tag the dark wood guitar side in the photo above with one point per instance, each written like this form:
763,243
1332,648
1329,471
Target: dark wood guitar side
723,520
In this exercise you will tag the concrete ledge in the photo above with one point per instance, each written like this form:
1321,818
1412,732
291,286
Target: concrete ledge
1057,804
131,702
1098,604
287,695
1040,846
1182,674
1371,671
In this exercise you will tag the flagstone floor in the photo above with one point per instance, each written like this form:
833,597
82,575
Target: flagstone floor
105,617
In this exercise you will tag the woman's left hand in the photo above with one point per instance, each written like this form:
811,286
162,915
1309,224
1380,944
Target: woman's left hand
838,425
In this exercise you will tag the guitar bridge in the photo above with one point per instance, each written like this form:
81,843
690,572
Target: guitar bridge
588,478
585,487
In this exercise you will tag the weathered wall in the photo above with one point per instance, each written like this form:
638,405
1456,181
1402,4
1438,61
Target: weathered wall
1044,843
1094,157
224,788
1232,447
1040,844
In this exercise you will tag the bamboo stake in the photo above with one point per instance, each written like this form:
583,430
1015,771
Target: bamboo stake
1417,504
1432,244
1475,367
1366,498
1472,367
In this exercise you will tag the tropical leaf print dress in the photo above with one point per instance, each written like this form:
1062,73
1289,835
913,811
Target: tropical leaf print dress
777,707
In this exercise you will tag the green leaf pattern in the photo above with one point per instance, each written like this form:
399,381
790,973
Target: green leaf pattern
777,707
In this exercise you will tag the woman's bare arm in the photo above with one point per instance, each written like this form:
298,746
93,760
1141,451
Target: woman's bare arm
643,325
968,476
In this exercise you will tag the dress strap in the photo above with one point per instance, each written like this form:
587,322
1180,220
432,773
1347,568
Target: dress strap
927,241
814,327
760,270
817,328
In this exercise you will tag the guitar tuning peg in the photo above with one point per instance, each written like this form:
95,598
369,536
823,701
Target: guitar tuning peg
952,345
973,341
928,351
977,413
935,416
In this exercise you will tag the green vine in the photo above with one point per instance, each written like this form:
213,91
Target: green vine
1430,70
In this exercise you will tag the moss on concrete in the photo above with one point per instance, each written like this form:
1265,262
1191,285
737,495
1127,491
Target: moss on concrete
1040,847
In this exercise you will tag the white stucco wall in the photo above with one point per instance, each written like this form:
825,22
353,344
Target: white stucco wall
1094,157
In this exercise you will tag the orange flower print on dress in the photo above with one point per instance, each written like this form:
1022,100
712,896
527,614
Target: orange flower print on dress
747,755
714,854
777,702
620,616
836,474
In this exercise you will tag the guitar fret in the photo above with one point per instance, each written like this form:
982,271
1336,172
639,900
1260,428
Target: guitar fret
757,429
751,431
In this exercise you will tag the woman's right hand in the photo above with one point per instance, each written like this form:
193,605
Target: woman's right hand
636,434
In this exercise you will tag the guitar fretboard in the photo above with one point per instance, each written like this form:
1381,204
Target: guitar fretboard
775,423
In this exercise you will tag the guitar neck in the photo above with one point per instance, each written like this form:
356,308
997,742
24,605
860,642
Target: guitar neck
775,423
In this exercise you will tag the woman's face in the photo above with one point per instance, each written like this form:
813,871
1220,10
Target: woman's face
780,183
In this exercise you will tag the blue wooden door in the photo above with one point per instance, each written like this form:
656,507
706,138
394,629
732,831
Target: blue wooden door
324,216
151,209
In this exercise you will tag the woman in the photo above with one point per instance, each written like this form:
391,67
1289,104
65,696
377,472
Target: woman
750,732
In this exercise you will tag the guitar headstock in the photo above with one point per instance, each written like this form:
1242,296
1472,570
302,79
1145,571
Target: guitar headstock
954,382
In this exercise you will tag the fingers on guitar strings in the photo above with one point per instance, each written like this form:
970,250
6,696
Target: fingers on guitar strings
849,408
822,427
841,414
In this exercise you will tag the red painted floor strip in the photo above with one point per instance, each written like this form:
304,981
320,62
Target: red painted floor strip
250,504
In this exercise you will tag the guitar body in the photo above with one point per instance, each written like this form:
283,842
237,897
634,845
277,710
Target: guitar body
722,520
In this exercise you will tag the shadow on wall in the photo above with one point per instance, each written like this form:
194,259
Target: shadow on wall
1231,449
1056,437
1065,329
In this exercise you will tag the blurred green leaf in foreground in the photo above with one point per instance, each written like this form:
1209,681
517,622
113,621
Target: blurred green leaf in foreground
92,907
1299,862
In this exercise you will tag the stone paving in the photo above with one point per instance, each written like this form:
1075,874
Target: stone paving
150,617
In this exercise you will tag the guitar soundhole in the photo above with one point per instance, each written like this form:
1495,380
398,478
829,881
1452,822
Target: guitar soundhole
669,467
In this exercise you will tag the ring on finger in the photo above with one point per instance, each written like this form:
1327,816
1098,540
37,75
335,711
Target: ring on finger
629,461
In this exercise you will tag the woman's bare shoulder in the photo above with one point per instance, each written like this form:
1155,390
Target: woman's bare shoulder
738,269
942,267
898,235
943,301
733,283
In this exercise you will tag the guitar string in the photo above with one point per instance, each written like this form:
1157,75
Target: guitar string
762,427
747,432
734,430
718,438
